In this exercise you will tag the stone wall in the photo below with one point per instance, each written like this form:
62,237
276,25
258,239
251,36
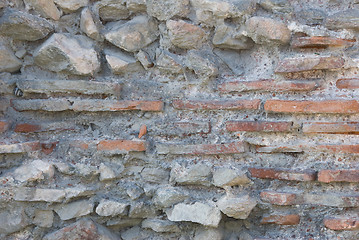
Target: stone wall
179,119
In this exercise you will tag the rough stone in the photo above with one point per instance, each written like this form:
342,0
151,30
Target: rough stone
134,191
161,226
135,233
237,207
110,171
44,218
111,208
8,61
266,30
209,233
71,5
134,34
13,220
112,10
168,196
120,63
74,209
229,177
193,174
136,5
62,52
144,59
231,58
46,8
82,229
168,62
203,63
88,25
203,213
343,19
274,6
33,171
23,26
226,36
166,9
155,175
141,210
79,191
39,195
185,35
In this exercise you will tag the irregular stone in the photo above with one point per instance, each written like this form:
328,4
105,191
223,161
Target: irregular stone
229,177
232,59
134,191
344,19
120,63
193,174
134,34
203,213
168,196
111,208
185,35
155,175
209,233
121,223
144,59
112,10
203,63
135,233
226,36
266,30
141,210
24,26
136,5
8,61
28,194
79,191
166,9
168,62
33,171
236,207
109,172
13,220
88,25
74,55
46,8
71,5
43,218
74,209
274,6
311,16
82,229
159,225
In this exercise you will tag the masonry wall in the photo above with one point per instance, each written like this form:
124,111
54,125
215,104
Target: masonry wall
179,119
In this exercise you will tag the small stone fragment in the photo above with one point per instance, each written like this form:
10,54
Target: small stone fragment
8,61
46,8
62,52
27,194
194,174
24,26
121,63
141,210
74,209
44,218
185,35
266,30
144,59
111,208
160,226
135,233
168,62
71,5
226,36
134,191
111,10
33,171
229,177
143,131
12,220
134,34
168,196
203,63
237,207
155,175
110,171
88,25
166,9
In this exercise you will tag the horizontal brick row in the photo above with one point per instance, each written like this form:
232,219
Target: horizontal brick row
24,147
283,174
44,127
320,42
116,146
342,222
281,219
202,149
259,126
216,104
348,83
340,148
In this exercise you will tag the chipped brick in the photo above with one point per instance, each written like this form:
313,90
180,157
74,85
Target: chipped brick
216,104
283,174
258,126
199,149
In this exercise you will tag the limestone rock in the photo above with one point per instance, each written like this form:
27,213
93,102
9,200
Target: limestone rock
229,177
46,8
193,174
344,19
266,30
155,175
44,218
112,10
168,196
141,210
134,191
28,194
168,62
62,52
12,220
208,233
111,208
71,5
134,34
8,61
35,170
79,191
237,207
166,9
135,233
274,6
110,171
136,5
82,229
24,26
88,25
121,63
144,59
185,35
74,209
226,36
203,63
203,213
159,225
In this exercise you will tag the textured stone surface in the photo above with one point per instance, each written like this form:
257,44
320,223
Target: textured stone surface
159,225
46,8
71,5
111,10
8,61
74,209
237,207
88,25
36,170
166,197
229,177
12,220
166,9
195,174
185,35
343,19
120,63
227,36
111,208
44,218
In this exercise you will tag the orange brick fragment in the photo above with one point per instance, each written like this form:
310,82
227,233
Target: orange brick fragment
321,42
4,125
283,174
342,223
345,175
278,198
121,145
143,131
290,219
26,128
331,127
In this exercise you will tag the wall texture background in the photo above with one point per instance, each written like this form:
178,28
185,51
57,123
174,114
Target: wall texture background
179,119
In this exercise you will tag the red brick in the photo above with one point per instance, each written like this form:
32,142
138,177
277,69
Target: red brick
143,131
290,219
331,127
321,42
43,127
20,147
279,198
258,126
347,175
283,174
301,64
338,148
280,149
268,85
342,223
216,104
4,126
202,149
112,105
325,106
27,128
122,146
84,145
348,83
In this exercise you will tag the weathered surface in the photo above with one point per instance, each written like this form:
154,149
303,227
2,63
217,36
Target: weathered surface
185,35
237,207
226,36
343,19
196,174
12,220
88,25
46,8
166,9
74,209
166,197
71,5
111,208
223,177
110,10
120,62
8,61
159,225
